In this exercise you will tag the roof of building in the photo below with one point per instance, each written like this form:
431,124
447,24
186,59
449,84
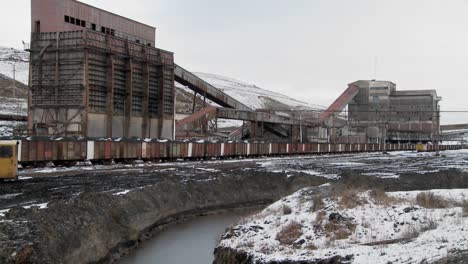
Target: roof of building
102,10
415,93
373,81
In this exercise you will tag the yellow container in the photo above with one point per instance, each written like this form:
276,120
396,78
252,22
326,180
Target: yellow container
8,160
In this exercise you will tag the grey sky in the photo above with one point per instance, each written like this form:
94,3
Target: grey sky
308,49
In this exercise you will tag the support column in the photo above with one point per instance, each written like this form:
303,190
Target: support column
145,130
84,113
110,93
160,70
128,94
194,101
56,85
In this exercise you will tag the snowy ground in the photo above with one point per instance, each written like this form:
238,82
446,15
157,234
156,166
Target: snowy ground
13,106
367,227
390,165
7,127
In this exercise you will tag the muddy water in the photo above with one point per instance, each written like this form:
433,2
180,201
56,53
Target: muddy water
191,242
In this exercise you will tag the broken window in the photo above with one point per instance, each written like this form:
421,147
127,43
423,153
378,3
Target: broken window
78,22
83,23
72,20
67,19
93,27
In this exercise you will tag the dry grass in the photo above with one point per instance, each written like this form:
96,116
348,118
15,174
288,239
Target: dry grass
320,216
317,203
286,210
339,230
289,233
267,250
379,196
464,205
415,230
350,199
311,246
430,200
410,232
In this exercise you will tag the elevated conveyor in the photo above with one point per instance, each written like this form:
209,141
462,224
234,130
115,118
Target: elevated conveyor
341,102
200,86
233,109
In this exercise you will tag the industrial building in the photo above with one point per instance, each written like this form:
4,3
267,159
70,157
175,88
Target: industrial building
377,112
97,74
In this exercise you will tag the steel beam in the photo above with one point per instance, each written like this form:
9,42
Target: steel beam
198,85
254,116
453,127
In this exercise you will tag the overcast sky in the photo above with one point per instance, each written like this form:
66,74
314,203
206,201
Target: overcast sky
307,49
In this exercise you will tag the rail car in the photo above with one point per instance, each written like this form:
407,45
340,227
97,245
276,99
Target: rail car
68,151
8,160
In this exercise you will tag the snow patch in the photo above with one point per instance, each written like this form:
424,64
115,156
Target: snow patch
3,212
383,175
41,206
348,164
121,193
208,169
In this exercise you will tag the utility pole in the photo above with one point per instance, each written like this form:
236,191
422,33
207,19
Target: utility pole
300,126
14,81
438,129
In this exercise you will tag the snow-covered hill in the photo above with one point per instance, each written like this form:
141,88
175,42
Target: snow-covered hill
254,96
18,58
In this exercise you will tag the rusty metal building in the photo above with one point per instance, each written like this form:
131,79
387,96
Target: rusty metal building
97,74
384,113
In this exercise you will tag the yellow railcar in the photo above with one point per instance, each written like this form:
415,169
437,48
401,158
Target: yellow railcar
421,147
8,160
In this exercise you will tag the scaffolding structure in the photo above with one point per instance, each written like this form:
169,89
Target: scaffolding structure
93,84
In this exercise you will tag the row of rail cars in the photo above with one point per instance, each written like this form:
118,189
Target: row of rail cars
36,152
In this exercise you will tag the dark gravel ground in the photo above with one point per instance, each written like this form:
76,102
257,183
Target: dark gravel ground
414,171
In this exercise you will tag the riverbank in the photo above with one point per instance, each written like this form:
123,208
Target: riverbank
99,227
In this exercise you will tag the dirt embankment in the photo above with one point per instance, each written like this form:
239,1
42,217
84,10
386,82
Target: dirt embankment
98,227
